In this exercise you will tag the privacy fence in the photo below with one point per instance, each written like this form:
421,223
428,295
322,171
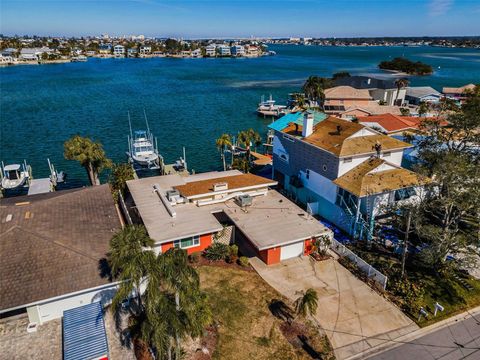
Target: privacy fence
365,267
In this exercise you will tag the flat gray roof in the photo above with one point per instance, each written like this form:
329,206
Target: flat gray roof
272,219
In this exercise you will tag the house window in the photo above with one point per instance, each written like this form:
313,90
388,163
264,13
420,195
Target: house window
386,154
307,174
347,160
187,242
403,194
324,167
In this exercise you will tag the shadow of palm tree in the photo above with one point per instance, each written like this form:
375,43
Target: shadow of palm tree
280,310
104,269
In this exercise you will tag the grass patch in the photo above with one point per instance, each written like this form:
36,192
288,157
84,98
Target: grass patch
246,327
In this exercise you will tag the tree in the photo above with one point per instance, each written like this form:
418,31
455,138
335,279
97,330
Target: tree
340,75
307,303
423,108
314,88
248,138
130,262
224,142
119,176
400,84
447,219
405,111
89,154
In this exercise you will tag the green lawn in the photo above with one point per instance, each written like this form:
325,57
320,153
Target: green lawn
247,328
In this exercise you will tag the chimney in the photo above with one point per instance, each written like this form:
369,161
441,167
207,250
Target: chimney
307,125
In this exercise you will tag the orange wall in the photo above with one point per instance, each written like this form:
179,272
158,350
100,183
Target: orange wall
205,241
270,256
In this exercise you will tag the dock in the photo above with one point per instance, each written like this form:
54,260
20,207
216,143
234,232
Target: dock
40,186
260,159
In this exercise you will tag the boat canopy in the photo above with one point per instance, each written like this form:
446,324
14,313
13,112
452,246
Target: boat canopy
12,167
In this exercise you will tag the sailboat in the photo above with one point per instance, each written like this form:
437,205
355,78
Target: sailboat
142,151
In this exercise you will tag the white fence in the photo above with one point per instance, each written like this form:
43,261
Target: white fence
368,269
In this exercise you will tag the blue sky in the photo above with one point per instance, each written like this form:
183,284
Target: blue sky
224,18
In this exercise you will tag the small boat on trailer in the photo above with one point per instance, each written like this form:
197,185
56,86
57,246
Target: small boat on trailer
15,176
141,150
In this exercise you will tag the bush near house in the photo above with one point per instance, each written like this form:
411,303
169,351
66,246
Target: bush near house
243,261
217,251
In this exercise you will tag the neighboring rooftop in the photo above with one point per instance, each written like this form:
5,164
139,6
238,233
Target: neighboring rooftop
458,90
236,182
296,118
421,91
347,92
391,123
373,108
375,176
52,243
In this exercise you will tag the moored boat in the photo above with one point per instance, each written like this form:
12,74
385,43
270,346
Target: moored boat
270,108
14,176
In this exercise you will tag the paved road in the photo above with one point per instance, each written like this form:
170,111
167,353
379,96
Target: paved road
460,340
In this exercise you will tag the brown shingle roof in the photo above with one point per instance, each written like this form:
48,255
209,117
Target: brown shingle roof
326,136
53,244
234,182
458,90
363,181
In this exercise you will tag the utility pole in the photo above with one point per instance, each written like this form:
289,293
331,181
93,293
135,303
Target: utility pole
405,241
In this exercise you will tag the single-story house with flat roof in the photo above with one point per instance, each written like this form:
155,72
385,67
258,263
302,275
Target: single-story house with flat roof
416,95
189,212
51,249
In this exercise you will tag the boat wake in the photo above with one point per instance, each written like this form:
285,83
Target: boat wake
267,83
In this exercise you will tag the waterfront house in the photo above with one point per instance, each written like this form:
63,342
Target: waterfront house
90,53
186,53
9,52
105,49
381,90
191,212
457,93
340,98
51,250
210,50
132,52
224,50
418,94
353,112
7,59
119,50
237,50
343,171
252,51
197,53
145,50
34,54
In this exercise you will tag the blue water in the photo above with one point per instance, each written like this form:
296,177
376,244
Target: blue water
189,102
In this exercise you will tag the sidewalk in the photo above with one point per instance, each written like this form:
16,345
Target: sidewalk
408,338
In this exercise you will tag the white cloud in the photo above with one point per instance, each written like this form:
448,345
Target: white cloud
439,7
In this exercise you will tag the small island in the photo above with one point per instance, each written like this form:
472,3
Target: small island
407,66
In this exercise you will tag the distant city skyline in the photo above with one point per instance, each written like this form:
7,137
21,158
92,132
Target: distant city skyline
241,19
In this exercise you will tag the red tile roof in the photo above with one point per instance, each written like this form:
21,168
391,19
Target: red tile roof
393,123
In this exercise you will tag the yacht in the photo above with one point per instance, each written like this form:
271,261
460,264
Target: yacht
14,176
142,151
269,108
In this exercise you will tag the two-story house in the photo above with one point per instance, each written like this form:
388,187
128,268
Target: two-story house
119,50
344,171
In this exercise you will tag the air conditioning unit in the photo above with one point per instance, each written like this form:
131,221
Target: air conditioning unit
220,186
172,194
244,200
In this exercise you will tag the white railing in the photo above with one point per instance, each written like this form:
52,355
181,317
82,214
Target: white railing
365,267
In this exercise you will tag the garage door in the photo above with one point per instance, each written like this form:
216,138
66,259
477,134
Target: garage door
292,250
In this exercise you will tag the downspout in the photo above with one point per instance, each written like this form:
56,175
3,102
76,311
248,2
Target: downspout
357,215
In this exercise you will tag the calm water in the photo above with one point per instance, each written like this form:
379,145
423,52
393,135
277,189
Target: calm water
189,102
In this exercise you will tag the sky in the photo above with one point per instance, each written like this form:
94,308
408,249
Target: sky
231,18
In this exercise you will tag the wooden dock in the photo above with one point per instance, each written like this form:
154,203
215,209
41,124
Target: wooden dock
260,159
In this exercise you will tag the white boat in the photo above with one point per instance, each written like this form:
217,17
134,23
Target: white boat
14,176
269,108
142,151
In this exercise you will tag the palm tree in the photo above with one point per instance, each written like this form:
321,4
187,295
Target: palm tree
307,303
130,262
224,142
314,88
400,84
119,176
89,154
248,138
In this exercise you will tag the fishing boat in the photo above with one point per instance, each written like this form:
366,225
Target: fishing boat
142,151
14,176
269,108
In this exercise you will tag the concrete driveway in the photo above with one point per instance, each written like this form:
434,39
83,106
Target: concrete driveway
355,317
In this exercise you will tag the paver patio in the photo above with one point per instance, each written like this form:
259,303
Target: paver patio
354,316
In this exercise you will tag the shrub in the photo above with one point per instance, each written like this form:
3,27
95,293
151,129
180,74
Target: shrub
234,250
231,259
217,251
243,261
411,294
194,257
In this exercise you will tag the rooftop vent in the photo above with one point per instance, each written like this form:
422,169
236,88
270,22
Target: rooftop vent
220,186
244,200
